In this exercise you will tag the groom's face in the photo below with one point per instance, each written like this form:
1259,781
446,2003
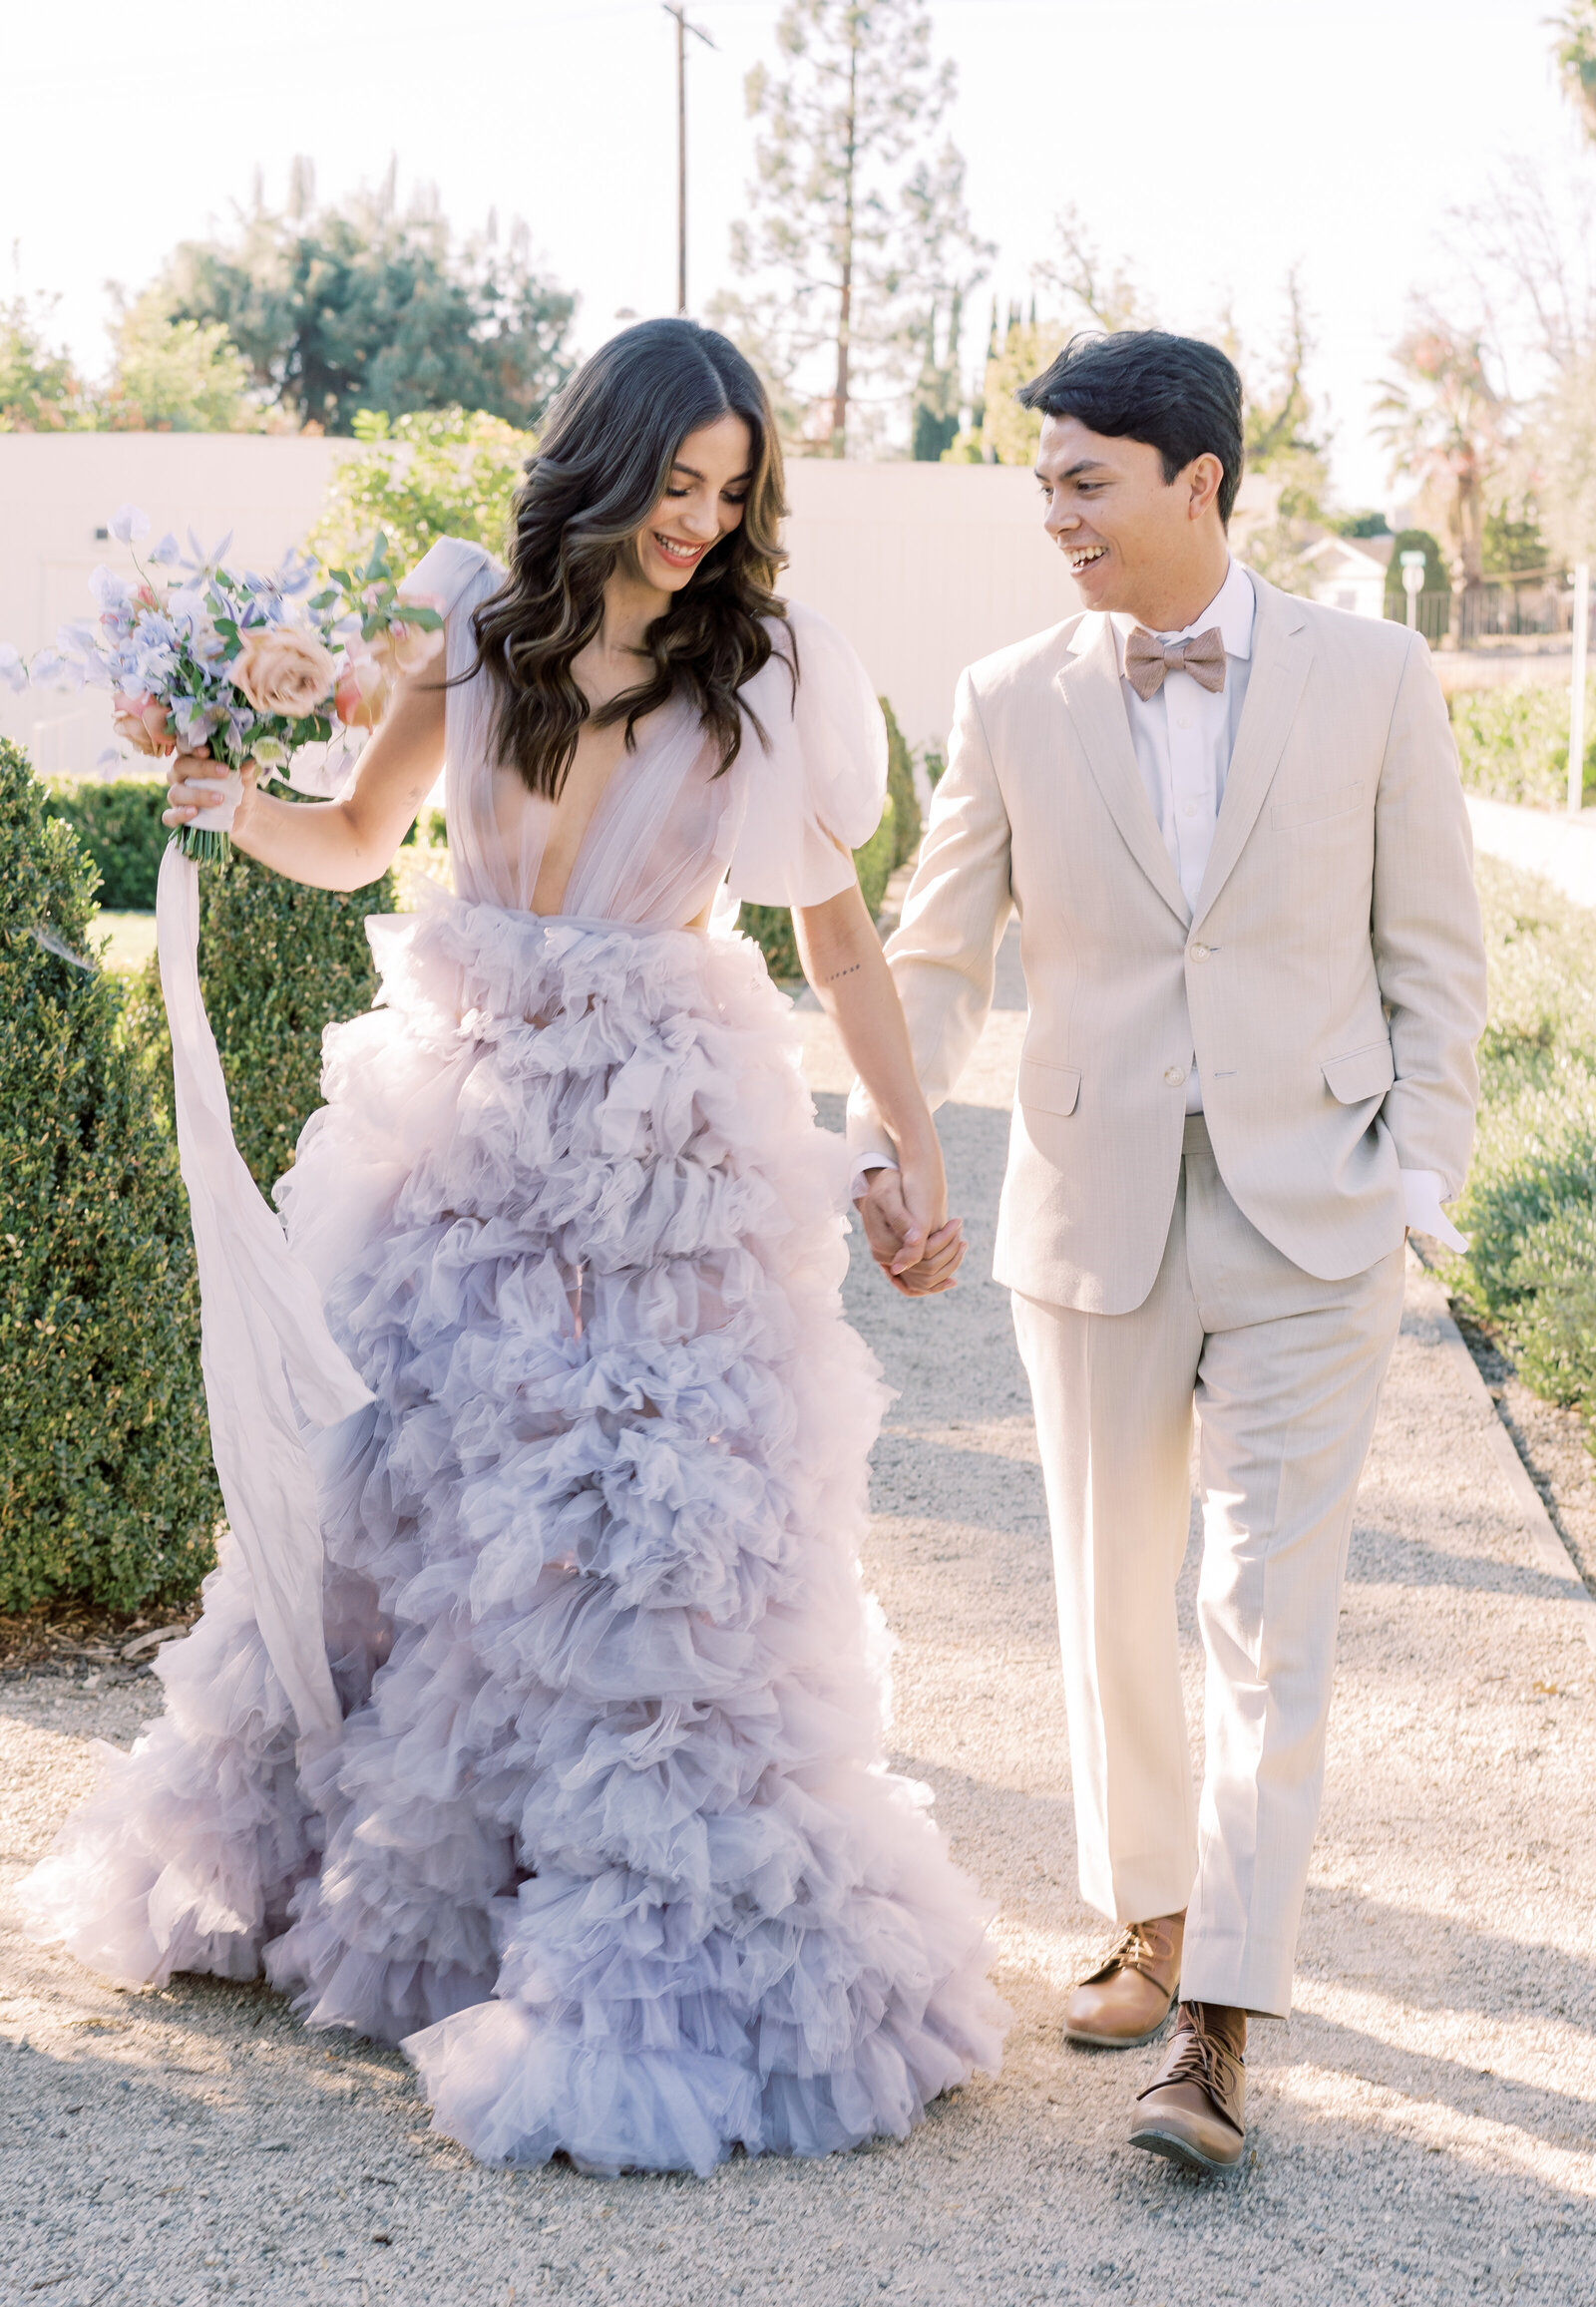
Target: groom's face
1123,529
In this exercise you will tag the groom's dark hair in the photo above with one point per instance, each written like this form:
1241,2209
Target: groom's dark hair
1181,396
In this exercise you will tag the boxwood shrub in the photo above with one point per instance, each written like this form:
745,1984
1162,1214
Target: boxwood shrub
1530,1203
120,826
895,839
107,1490
278,962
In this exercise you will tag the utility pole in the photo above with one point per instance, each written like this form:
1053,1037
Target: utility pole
1576,693
679,10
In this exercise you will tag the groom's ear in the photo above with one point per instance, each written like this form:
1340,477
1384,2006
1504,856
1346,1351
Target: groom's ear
1202,480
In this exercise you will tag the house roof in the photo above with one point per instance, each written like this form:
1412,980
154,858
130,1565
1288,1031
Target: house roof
1353,555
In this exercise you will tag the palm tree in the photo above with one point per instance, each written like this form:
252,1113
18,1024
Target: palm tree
1576,56
1446,428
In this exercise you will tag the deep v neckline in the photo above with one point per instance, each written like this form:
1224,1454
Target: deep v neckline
623,760
651,739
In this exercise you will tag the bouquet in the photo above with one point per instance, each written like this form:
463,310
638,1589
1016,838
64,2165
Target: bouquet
204,659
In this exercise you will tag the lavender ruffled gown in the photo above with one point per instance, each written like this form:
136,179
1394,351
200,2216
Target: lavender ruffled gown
606,1843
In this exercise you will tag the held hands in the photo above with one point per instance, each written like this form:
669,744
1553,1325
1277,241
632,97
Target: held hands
916,1244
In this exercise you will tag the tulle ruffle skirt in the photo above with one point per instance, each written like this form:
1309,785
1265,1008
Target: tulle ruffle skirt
607,1842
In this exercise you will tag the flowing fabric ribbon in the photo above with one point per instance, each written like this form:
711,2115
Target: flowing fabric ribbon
272,1365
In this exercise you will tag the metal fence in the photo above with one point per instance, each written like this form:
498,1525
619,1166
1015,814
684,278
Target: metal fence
1489,613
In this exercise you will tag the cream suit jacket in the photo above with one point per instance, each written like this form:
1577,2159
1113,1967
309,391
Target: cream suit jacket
1331,980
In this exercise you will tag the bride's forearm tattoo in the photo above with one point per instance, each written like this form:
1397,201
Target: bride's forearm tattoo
851,970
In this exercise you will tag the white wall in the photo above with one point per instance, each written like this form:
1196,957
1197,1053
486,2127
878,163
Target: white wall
924,567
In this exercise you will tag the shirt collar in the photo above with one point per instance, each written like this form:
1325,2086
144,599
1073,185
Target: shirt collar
1232,608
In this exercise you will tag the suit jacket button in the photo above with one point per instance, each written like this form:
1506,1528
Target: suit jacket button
1200,952
1174,1074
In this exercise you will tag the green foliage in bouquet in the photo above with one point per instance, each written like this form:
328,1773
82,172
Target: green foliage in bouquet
1530,1203
119,824
893,841
277,963
106,1483
439,473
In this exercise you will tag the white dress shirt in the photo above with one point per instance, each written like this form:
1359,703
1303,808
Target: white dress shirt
1184,736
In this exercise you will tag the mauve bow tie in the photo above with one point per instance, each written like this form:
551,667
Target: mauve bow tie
1147,659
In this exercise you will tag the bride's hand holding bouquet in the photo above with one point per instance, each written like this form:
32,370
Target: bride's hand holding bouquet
207,665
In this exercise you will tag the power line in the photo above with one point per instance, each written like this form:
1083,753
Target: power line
677,9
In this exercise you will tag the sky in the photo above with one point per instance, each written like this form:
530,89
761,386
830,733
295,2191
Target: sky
1210,147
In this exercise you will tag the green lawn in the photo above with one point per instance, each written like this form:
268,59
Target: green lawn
1530,1202
131,941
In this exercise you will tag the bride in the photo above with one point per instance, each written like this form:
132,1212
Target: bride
606,1841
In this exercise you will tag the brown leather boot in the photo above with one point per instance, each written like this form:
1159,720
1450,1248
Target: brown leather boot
1192,2110
1126,1999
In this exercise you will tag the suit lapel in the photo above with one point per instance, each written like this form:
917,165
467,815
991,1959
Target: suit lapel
1282,652
1089,685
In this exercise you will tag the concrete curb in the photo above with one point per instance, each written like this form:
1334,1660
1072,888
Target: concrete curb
1427,1296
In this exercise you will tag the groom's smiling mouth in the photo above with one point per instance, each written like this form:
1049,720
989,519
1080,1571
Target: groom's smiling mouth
1082,555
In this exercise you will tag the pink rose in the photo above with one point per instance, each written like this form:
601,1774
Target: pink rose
284,671
142,723
362,694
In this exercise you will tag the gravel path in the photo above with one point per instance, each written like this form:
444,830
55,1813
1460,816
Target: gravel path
1424,2128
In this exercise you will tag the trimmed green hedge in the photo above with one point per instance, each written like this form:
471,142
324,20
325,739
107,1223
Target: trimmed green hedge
277,963
896,838
1530,1202
120,826
1512,743
106,1484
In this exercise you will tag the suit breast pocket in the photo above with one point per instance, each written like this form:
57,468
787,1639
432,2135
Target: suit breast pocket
1047,1089
1315,806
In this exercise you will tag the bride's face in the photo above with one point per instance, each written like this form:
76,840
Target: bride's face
705,490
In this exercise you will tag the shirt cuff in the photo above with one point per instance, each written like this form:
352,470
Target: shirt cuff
869,1158
1421,1194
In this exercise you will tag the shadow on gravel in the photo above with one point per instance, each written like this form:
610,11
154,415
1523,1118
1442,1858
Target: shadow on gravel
1427,1961
1554,2117
1382,1558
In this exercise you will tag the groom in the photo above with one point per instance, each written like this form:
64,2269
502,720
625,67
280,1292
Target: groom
1231,825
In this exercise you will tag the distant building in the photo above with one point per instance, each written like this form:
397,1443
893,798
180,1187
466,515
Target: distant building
1349,572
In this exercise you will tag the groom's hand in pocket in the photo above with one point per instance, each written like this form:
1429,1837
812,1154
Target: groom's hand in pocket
919,1259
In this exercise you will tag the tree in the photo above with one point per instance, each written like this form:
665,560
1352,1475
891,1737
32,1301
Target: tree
948,264
176,376
39,389
1087,293
337,309
851,255
1557,458
1278,436
438,473
1576,57
1007,433
1447,427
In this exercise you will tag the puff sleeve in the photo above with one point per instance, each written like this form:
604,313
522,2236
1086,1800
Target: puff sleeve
447,573
817,793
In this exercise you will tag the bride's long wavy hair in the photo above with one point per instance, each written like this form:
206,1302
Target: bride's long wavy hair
600,471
